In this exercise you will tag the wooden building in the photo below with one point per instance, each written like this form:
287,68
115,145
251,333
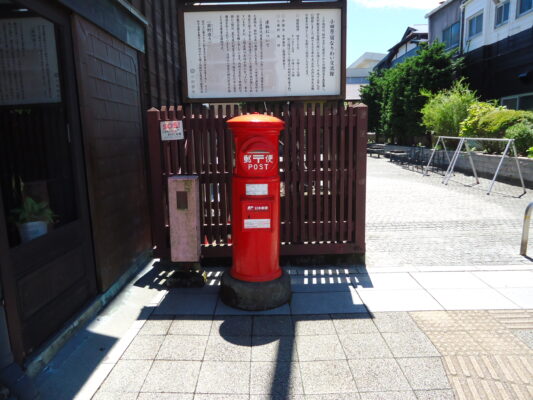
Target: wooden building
75,79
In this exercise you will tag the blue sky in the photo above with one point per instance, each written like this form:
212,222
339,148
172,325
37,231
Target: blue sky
377,25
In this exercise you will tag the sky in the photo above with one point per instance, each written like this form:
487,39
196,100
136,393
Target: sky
377,25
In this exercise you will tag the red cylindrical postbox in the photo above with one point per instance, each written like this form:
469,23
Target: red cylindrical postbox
256,281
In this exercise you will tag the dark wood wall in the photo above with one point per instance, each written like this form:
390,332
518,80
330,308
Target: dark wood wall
160,63
110,105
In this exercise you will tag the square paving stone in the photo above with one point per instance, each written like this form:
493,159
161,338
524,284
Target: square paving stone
317,284
271,348
327,303
232,326
454,343
323,377
436,321
143,347
424,373
191,325
387,281
126,376
346,324
319,348
374,375
165,396
520,296
410,344
273,326
406,395
499,343
205,396
223,310
279,397
398,300
472,299
364,345
156,326
336,396
172,376
525,335
230,348
277,378
187,303
449,280
224,377
507,279
114,396
435,394
182,348
313,325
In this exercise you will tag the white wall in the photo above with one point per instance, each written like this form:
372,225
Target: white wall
490,34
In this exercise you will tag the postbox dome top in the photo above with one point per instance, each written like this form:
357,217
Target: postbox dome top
257,120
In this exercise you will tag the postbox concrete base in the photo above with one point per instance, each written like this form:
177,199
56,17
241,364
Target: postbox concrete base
255,296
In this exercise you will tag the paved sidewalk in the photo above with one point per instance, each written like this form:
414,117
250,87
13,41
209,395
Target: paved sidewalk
443,310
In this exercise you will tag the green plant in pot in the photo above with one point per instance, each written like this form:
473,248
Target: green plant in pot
32,219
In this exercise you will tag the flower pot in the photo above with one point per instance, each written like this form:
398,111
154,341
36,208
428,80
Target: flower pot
31,230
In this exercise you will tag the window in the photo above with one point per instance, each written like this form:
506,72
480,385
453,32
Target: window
520,102
524,6
475,25
502,13
450,35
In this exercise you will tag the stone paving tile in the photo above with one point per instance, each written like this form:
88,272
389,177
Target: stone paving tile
191,325
378,375
395,322
454,342
277,378
410,344
178,302
336,396
156,326
143,347
230,348
476,389
525,336
385,281
507,279
494,342
224,310
182,348
224,377
232,326
377,300
476,320
436,321
424,373
471,299
114,396
364,345
273,326
271,348
205,396
404,395
327,377
523,297
319,348
449,280
172,376
327,303
126,376
165,396
316,284
279,397
435,395
313,325
513,319
353,323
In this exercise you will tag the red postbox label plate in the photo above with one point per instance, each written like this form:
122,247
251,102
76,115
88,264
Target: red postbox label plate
256,215
257,160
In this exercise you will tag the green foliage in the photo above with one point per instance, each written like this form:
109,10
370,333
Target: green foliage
522,133
471,125
445,110
530,152
394,97
31,211
491,121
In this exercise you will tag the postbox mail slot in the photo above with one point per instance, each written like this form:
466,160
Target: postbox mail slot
257,215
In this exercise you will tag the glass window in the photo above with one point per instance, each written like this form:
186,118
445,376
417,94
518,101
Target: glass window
510,102
450,35
502,13
526,102
524,6
475,25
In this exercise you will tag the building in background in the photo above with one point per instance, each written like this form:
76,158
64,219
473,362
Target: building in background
357,74
496,39
406,47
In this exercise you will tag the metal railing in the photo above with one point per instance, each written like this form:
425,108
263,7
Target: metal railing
525,229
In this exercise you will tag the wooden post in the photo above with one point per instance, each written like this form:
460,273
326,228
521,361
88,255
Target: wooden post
360,176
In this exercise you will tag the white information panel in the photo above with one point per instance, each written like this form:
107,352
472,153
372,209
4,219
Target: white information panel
28,62
256,224
263,53
171,130
256,189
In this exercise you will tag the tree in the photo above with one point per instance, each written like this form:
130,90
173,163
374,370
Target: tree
394,97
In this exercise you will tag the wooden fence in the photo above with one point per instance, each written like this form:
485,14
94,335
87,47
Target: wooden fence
322,166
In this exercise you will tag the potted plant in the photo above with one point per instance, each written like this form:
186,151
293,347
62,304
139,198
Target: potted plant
32,219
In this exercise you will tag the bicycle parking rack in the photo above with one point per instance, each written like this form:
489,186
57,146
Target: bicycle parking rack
463,141
525,229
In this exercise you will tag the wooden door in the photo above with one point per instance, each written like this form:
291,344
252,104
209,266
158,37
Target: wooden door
46,280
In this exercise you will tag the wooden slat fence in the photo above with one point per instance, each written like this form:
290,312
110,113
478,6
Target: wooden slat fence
322,167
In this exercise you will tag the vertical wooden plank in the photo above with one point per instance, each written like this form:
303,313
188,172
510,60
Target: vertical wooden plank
301,167
182,169
206,173
285,212
229,167
311,234
173,145
351,174
360,177
327,169
294,173
334,179
156,178
222,170
342,180
318,177
166,145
